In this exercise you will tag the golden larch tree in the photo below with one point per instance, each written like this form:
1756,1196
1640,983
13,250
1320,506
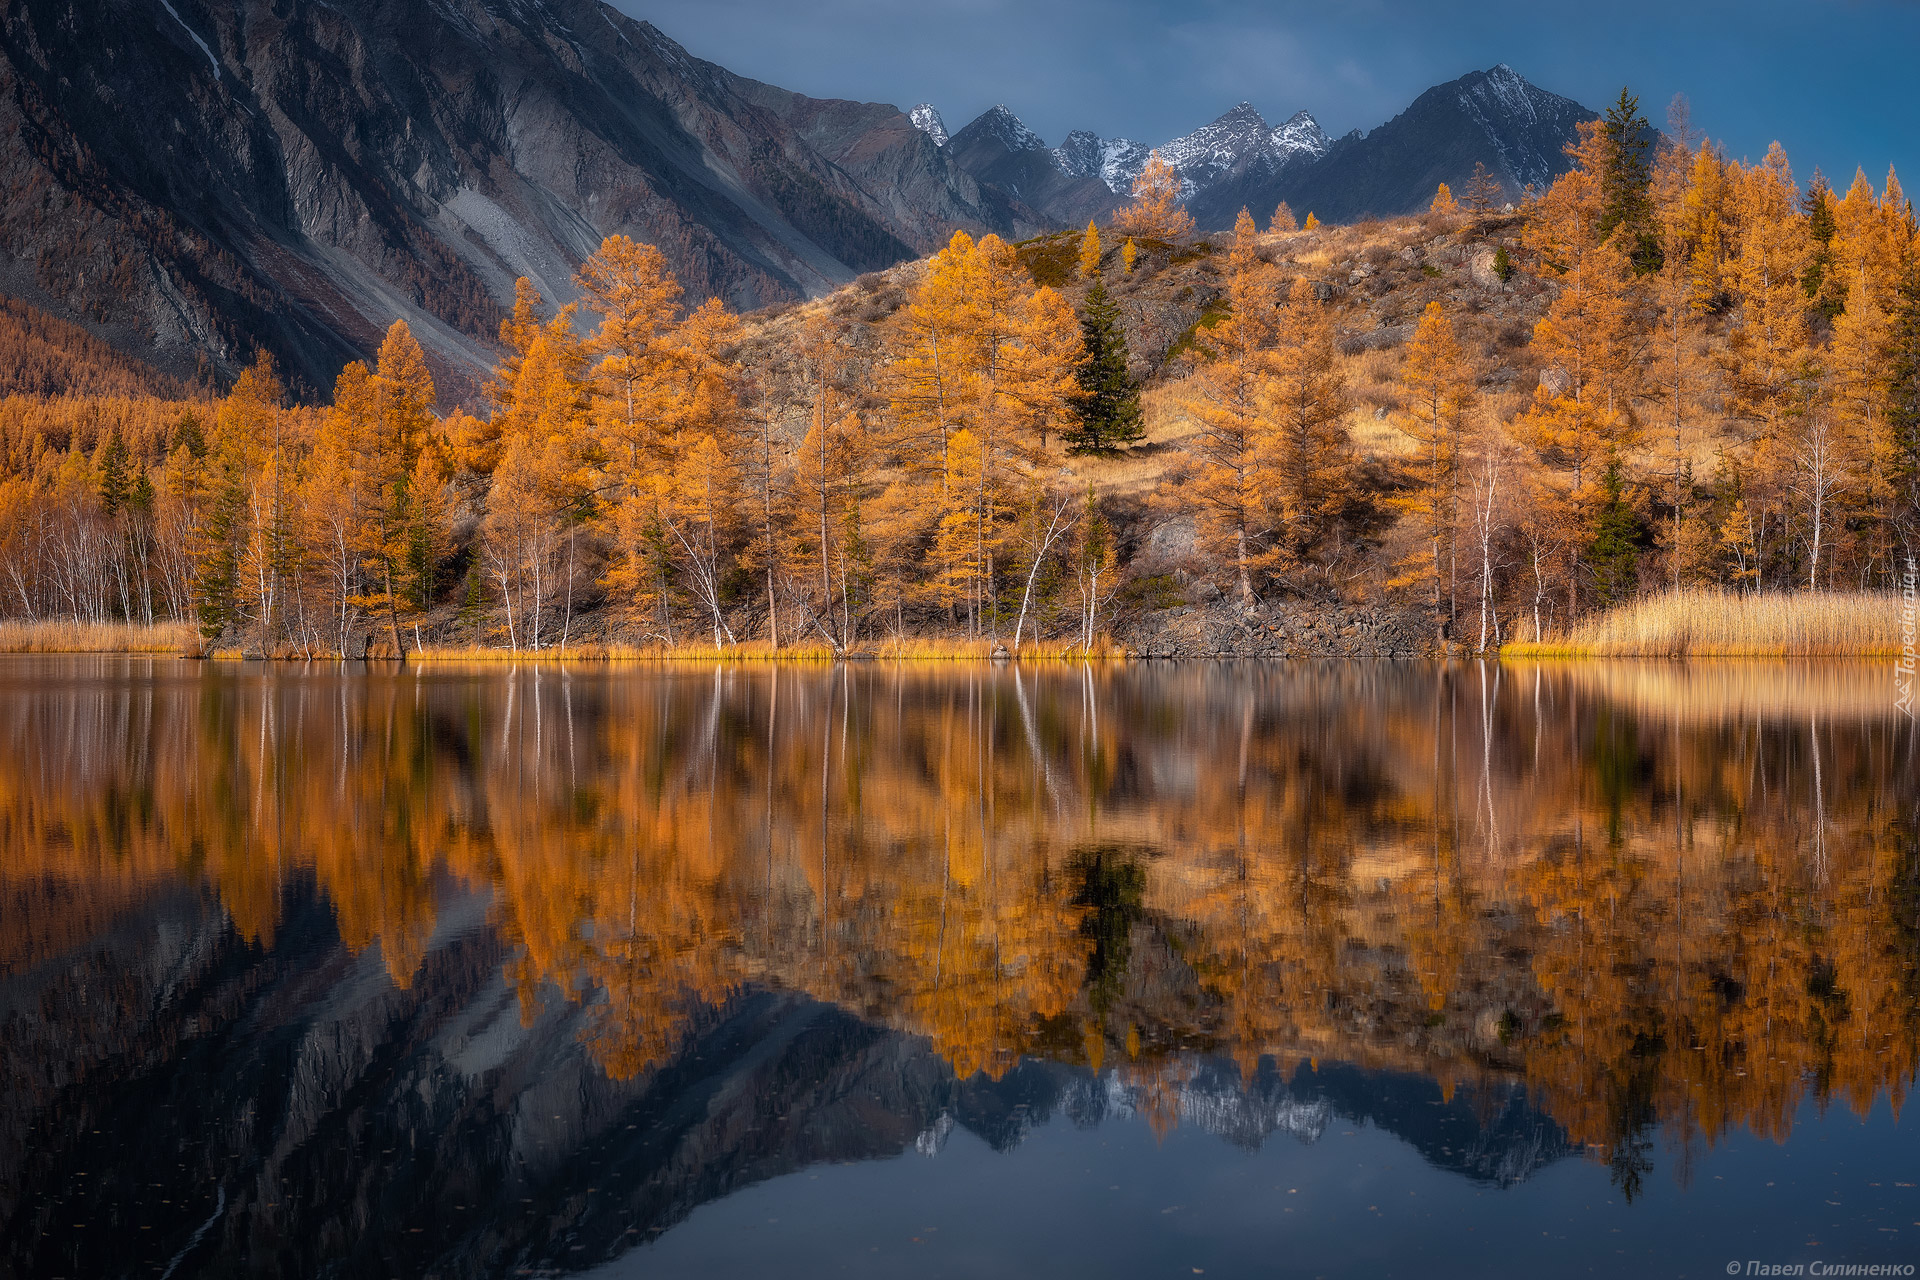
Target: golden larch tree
1156,212
978,348
1025,348
957,563
1090,251
1581,414
1768,360
1438,391
1704,234
700,513
540,485
819,488
393,538
1837,459
1677,385
1306,402
1231,485
1869,240
932,361
637,299
336,497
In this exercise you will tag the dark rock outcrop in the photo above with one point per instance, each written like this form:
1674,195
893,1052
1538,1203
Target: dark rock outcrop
192,180
1226,629
996,149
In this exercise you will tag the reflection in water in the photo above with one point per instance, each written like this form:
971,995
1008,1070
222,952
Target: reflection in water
338,945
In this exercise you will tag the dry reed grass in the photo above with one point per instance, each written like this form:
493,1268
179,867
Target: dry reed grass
890,650
751,651
1133,473
1707,624
1137,471
1717,691
913,650
1377,437
76,637
68,636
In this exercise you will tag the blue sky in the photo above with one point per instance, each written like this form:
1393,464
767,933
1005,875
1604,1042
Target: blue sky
1833,80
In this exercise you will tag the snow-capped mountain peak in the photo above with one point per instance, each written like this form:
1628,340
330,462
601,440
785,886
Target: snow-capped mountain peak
926,118
1300,135
1518,130
1509,91
1239,140
1217,148
1002,124
1115,161
1509,107
1079,155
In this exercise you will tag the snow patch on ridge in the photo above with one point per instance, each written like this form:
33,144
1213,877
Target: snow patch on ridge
1214,150
1207,1098
1006,126
1504,104
1511,92
1238,140
1115,161
1300,135
194,36
926,118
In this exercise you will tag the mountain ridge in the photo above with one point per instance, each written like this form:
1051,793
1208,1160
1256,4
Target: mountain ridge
191,182
1495,117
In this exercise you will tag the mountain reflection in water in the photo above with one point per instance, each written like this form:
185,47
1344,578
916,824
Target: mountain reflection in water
470,971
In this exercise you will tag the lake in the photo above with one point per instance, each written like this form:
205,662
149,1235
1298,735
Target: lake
954,970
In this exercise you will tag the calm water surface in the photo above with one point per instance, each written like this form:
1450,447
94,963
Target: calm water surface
1344,969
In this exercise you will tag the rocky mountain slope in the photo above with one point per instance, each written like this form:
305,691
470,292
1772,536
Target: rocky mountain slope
998,150
191,179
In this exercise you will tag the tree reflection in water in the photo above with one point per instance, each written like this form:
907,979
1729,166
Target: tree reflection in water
1663,900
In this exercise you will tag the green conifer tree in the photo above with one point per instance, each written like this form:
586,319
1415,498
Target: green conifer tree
190,433
115,483
1618,537
1626,184
473,603
1827,294
1902,440
216,578
1108,402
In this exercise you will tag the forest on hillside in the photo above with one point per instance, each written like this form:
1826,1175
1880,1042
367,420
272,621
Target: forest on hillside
1670,369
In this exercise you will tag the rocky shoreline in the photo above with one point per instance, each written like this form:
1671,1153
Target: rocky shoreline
1223,629
1209,629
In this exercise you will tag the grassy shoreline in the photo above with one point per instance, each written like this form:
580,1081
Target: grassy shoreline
1682,624
67,636
181,639
1707,624
912,650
